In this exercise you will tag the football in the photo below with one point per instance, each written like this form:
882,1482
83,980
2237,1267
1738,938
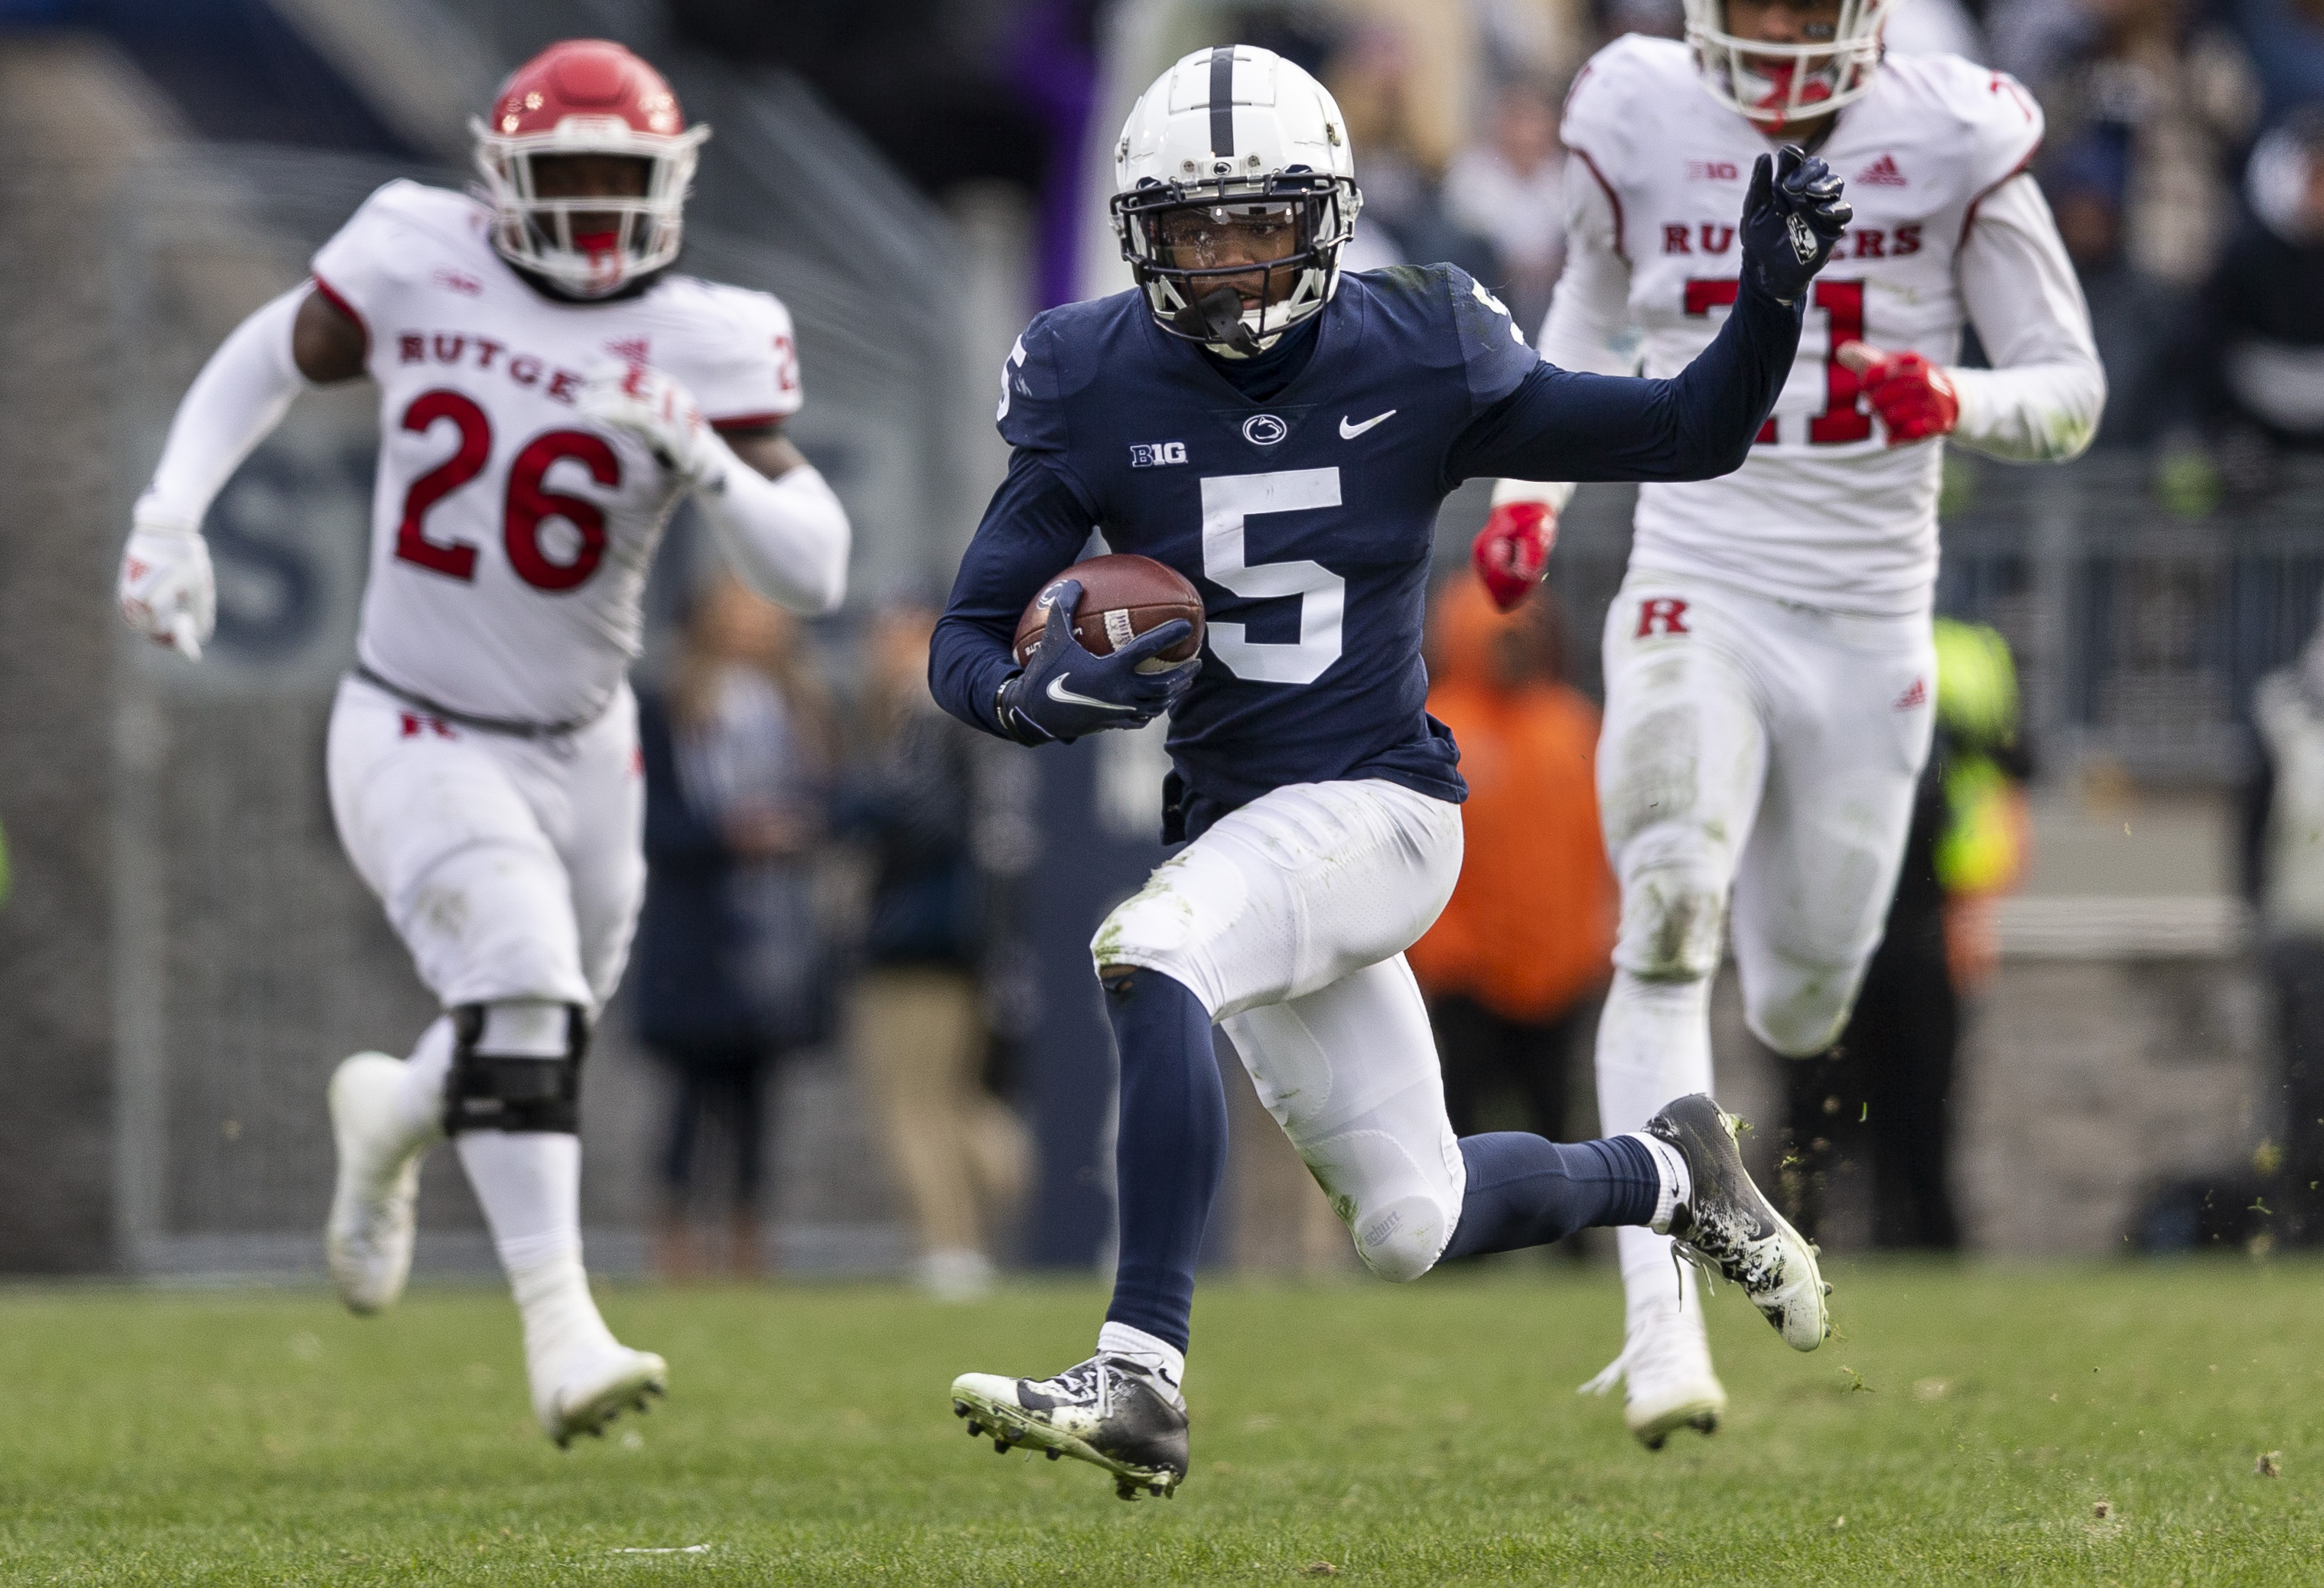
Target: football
1122,598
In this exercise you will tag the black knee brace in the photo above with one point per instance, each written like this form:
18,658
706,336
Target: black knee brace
503,1091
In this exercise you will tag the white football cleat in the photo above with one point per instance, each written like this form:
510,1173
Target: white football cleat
1727,1226
1664,1371
581,1377
368,1238
581,1393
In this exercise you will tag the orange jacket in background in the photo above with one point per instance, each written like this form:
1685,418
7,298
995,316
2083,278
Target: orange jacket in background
1530,927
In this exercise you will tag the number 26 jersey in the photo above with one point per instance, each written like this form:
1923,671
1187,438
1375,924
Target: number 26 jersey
1824,511
510,537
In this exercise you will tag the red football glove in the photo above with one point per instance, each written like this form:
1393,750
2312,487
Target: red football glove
1915,398
1511,552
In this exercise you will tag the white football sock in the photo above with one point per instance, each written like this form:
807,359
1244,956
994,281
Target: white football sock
1158,1356
1654,1044
561,1320
528,1183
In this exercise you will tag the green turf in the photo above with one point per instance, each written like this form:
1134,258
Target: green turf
1965,1428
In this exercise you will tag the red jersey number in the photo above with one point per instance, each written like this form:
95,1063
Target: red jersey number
454,559
1842,302
529,506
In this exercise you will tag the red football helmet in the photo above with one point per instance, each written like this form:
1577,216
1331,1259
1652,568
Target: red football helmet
587,97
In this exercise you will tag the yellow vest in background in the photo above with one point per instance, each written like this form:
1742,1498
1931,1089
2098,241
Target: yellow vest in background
1981,848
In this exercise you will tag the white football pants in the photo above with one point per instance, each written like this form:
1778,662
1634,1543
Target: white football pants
1757,748
1289,918
512,868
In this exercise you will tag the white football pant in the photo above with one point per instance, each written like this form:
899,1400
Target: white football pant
1289,918
512,868
1759,749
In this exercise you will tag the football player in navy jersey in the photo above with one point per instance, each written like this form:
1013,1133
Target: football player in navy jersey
1283,436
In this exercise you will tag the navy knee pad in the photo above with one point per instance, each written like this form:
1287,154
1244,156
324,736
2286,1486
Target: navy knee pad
509,1091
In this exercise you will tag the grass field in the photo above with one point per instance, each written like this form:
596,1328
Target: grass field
1967,1426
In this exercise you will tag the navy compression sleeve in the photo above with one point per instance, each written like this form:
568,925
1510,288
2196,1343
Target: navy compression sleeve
1565,425
1034,528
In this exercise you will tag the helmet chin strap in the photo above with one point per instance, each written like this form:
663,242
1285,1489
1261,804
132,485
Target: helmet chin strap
1217,318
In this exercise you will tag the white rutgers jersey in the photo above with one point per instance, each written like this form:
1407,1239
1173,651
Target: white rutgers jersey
1823,510
510,537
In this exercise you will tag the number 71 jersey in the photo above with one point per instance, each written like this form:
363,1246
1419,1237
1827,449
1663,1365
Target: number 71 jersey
1824,512
510,537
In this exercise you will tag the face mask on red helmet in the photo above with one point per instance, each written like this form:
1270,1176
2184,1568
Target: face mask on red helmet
587,97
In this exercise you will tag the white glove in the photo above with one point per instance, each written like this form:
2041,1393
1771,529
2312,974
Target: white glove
660,412
168,593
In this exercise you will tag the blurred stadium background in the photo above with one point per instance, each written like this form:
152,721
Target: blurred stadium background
186,953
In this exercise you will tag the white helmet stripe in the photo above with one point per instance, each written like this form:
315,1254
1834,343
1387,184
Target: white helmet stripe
1222,61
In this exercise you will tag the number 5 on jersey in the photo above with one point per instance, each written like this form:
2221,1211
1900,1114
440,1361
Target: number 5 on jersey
527,507
1229,502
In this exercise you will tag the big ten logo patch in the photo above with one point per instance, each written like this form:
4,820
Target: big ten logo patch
1661,614
1156,454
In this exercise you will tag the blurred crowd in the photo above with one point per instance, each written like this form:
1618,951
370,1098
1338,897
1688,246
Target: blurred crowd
827,875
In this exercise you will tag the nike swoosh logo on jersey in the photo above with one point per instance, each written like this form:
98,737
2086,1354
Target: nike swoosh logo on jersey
1065,696
1349,432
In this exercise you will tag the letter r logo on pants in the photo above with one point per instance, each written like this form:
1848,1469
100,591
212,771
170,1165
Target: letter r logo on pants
1661,614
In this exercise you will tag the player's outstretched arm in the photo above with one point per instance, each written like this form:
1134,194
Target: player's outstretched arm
166,589
1565,425
774,515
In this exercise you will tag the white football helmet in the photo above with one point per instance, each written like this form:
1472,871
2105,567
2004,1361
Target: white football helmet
1235,139
1775,85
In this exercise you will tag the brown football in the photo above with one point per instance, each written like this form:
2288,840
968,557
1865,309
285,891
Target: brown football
1122,597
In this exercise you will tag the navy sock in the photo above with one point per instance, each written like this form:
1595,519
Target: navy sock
1170,1152
1526,1190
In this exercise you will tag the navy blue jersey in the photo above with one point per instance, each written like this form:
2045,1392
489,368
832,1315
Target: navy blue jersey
1306,519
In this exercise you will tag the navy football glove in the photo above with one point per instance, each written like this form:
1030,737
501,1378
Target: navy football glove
1065,690
1793,217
